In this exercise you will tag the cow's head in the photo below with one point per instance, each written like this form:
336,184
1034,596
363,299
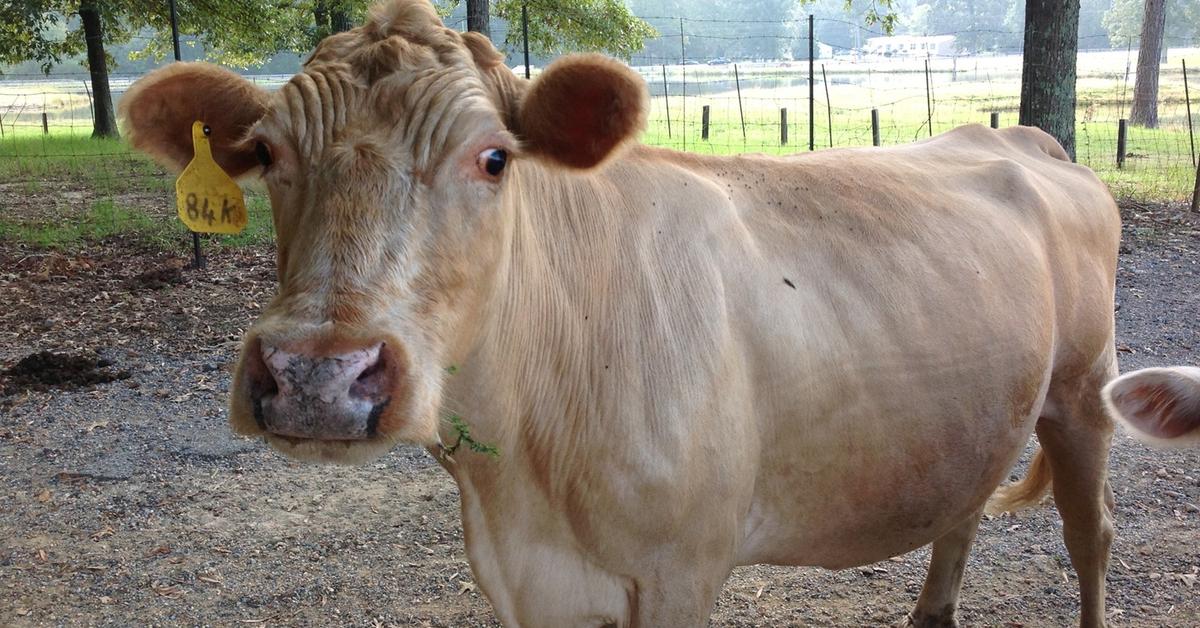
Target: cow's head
389,161
1159,405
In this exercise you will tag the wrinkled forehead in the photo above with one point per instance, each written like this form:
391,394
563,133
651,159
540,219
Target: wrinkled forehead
388,79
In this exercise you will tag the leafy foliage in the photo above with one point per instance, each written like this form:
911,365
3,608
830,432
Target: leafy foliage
558,26
1123,21
464,436
238,32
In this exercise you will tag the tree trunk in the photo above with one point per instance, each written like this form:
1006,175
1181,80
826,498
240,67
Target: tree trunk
1048,68
477,17
339,21
1145,87
104,122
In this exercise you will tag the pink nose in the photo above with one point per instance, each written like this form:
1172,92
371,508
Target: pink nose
329,397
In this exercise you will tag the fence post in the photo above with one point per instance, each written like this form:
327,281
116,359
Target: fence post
738,83
812,138
683,73
1196,193
704,123
1121,133
45,124
197,257
928,97
666,100
874,127
525,35
995,119
783,126
1187,97
828,105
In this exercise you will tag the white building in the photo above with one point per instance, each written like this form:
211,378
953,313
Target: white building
911,46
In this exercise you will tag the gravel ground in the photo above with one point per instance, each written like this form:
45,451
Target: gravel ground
130,503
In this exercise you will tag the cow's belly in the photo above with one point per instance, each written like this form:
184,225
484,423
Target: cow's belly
873,479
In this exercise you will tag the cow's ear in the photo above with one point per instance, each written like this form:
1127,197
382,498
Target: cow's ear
158,111
1160,405
581,109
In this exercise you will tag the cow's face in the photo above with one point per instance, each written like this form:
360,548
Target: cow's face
389,163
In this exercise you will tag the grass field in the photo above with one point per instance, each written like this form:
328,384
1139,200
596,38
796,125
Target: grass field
62,188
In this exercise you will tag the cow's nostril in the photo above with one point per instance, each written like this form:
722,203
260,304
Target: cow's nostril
372,383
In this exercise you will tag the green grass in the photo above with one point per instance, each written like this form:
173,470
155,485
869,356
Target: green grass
105,218
102,220
43,176
1158,165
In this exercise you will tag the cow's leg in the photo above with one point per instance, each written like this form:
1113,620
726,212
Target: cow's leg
1076,438
938,603
675,597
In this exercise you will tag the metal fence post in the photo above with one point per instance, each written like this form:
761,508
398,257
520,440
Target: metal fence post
1196,192
874,127
45,124
1121,136
928,97
704,123
783,127
811,86
197,258
666,100
738,83
828,105
1187,97
995,121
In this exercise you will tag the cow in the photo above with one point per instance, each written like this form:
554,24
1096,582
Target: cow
1160,405
685,362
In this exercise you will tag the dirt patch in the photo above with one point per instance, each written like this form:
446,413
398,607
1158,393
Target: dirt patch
45,370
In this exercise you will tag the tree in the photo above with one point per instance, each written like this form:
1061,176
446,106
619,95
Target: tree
1123,21
1145,87
331,16
105,120
558,26
1048,68
478,19
47,31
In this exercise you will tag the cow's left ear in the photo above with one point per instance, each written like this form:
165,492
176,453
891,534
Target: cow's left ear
1160,405
581,109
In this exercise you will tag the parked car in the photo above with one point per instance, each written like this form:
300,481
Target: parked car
719,61
690,62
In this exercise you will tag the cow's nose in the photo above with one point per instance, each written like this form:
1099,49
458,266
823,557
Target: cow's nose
328,397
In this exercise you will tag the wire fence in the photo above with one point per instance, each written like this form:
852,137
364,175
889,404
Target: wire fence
853,95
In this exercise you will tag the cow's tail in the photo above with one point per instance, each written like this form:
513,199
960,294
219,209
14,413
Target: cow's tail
1028,492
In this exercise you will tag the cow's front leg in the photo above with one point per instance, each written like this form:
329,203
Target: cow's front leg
678,594
938,604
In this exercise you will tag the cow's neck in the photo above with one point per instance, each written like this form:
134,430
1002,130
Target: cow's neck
540,380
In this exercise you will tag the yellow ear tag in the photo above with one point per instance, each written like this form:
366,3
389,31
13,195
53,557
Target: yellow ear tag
209,201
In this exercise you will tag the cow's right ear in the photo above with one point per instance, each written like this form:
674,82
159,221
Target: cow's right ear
1160,405
158,111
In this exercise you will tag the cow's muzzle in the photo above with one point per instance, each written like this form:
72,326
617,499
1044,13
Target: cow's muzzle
299,394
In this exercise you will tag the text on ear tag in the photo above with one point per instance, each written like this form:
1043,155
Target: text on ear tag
208,200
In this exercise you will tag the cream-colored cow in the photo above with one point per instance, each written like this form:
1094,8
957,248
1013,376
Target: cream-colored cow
687,362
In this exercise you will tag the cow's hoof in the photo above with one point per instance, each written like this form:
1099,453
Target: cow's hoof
917,619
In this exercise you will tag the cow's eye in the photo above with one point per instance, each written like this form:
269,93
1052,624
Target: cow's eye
263,152
492,161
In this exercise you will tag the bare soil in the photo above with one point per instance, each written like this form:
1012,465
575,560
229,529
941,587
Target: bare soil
128,502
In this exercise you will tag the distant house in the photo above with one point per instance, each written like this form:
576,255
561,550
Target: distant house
911,46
